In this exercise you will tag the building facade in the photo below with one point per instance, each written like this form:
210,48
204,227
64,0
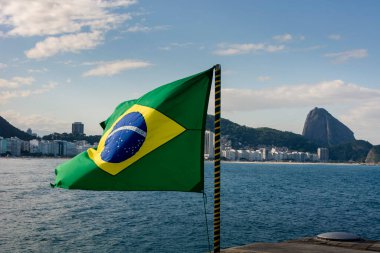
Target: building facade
323,154
77,128
209,145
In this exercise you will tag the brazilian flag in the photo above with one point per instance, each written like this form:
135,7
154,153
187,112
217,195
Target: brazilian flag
154,143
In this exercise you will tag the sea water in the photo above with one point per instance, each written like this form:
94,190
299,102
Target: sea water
260,202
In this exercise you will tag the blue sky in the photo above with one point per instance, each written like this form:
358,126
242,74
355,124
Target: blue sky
75,60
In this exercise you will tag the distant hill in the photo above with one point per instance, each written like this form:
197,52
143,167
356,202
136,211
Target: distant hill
325,130
243,136
7,130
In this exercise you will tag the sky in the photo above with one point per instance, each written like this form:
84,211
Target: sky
76,60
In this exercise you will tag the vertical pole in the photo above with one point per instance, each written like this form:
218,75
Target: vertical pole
217,159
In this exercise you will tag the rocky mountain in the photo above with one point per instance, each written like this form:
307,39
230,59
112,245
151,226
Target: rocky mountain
355,151
325,130
373,155
248,137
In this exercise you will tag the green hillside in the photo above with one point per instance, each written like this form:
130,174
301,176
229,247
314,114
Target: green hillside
248,137
355,151
8,131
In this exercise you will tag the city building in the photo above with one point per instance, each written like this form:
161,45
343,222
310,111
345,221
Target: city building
209,145
33,146
82,146
229,154
323,154
265,154
3,145
64,149
255,156
15,147
77,128
25,147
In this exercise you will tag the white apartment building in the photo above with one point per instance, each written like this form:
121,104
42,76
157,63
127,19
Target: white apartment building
209,144
229,154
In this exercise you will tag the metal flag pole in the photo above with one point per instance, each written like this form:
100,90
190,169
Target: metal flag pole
217,158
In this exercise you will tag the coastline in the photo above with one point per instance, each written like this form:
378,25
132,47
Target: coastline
298,163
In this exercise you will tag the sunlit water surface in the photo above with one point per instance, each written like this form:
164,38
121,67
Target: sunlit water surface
260,202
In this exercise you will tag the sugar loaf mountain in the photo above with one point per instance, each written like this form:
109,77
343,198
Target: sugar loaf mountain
325,130
321,129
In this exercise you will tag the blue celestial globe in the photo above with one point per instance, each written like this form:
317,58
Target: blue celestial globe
125,139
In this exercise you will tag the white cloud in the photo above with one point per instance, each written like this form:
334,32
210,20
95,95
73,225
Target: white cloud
287,37
139,28
325,93
80,22
364,119
42,70
355,105
44,88
308,49
342,57
283,37
143,28
335,37
52,17
115,67
263,78
66,43
3,65
14,88
16,82
175,45
237,49
7,95
116,3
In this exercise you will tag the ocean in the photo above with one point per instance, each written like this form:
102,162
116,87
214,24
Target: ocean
260,202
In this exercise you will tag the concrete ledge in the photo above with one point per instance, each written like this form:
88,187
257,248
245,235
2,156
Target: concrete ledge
308,245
